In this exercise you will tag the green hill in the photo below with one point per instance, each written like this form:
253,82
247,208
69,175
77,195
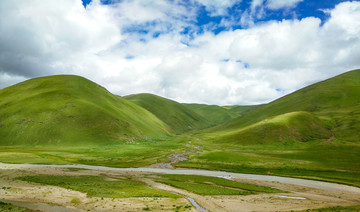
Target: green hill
241,109
179,117
298,126
70,109
336,101
215,114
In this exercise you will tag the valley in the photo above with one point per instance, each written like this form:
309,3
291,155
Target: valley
63,120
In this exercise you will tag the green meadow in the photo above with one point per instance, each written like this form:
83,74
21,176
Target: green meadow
133,154
313,160
213,185
101,186
125,186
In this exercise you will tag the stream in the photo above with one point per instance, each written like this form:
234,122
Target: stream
196,205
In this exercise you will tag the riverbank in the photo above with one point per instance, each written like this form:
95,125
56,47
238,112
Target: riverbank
302,194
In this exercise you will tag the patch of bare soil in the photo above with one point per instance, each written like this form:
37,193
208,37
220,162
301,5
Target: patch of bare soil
298,198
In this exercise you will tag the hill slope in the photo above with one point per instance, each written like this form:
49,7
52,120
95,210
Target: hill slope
70,109
241,109
179,117
215,114
336,101
298,126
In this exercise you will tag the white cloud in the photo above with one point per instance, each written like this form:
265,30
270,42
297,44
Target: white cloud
245,66
40,35
278,4
7,80
255,4
217,7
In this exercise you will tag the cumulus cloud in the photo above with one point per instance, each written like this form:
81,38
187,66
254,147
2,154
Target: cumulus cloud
138,46
40,37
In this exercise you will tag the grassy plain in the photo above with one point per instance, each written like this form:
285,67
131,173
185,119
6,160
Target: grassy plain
100,186
132,154
126,186
213,185
334,161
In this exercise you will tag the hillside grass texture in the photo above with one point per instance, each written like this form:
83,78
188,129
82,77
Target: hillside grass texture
70,110
177,116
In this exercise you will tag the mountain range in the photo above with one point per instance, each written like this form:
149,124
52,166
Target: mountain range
67,109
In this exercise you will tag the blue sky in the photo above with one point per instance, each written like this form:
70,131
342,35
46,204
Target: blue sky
300,9
221,52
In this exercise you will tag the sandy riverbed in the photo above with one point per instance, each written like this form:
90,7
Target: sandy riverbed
309,196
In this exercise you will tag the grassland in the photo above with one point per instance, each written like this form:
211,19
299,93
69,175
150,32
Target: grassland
213,185
204,189
335,161
126,187
132,154
101,186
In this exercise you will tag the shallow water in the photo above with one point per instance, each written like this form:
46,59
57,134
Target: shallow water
288,197
197,206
